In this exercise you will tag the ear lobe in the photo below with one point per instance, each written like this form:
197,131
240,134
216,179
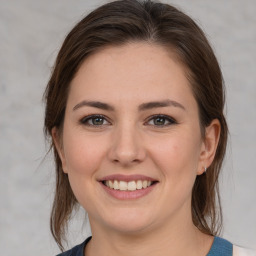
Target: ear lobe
210,144
59,147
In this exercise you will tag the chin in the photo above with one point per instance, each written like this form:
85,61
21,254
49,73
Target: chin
129,222
130,229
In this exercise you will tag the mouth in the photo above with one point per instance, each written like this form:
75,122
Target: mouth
128,186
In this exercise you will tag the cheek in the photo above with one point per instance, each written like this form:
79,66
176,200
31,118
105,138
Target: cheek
177,154
83,156
177,160
83,153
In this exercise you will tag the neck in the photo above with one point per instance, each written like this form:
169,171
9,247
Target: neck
169,239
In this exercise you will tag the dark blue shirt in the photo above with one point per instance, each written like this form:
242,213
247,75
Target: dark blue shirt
220,247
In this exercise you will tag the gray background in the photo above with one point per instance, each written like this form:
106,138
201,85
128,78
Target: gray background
30,35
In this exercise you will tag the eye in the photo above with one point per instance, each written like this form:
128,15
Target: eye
94,120
161,120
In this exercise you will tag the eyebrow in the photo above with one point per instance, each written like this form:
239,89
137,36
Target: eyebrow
160,104
142,107
95,104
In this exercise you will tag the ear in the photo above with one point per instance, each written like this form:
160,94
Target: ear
59,147
209,145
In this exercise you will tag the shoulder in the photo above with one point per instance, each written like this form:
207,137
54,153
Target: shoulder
77,250
220,246
239,251
223,247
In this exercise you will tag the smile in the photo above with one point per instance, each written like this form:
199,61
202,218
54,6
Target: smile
127,186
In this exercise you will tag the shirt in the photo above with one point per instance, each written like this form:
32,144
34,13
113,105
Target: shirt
220,247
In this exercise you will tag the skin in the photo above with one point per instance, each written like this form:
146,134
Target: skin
128,140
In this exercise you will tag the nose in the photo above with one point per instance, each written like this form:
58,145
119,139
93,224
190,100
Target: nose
127,146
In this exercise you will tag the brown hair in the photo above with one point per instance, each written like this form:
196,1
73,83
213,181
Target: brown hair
117,23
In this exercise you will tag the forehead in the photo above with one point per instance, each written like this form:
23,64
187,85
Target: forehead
130,71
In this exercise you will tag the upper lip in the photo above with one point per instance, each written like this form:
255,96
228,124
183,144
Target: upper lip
127,178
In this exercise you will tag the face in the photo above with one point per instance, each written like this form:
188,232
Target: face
131,142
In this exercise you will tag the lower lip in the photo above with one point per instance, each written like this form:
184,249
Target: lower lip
127,195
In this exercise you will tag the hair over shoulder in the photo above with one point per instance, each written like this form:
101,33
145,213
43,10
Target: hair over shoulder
120,22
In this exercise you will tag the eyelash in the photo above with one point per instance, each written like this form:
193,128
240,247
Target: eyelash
87,119
170,120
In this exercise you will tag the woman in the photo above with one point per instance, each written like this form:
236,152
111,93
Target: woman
134,110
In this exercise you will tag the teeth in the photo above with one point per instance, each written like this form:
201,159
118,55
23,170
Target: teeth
130,186
144,183
123,185
139,184
116,185
111,184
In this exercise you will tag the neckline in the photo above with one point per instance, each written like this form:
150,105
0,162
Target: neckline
219,245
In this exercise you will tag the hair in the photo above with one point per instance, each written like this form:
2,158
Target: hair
118,23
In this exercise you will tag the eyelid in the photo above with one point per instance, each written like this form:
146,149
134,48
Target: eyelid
170,119
85,119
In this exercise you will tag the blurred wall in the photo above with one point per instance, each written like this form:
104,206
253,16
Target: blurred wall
31,33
